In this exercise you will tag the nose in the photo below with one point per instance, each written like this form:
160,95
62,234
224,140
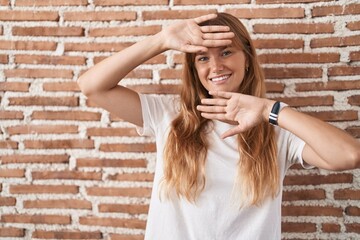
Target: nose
216,65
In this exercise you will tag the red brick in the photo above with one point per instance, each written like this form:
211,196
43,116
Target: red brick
302,28
37,3
170,74
38,73
109,191
14,86
336,10
100,16
9,159
288,1
352,211
335,42
3,58
42,129
208,2
298,227
113,222
125,237
124,208
330,227
353,227
59,144
8,144
318,179
95,47
28,45
111,163
308,101
11,115
48,31
251,13
12,173
354,131
335,115
299,58
129,2
354,100
7,201
278,43
354,56
112,132
326,86
35,219
11,232
288,72
147,177
50,60
347,194
64,115
354,26
311,211
44,101
44,189
76,175
174,14
124,31
124,147
274,87
62,204
311,194
14,15
4,3
344,70
66,234
61,87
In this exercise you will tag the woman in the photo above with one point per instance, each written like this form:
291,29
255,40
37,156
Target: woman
221,157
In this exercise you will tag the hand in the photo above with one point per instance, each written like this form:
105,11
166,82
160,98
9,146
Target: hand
243,110
188,36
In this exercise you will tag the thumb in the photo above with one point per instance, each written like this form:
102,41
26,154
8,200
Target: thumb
233,131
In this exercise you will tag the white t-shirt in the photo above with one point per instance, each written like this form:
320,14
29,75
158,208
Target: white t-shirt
213,216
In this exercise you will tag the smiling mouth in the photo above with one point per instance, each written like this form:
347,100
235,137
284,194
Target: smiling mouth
220,78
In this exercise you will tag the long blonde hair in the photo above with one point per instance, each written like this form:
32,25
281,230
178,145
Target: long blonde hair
185,151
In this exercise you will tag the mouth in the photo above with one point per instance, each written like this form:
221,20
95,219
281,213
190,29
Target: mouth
220,79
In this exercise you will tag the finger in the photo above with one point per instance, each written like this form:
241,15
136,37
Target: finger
205,18
214,101
222,94
231,132
211,109
216,43
214,116
194,49
214,28
218,36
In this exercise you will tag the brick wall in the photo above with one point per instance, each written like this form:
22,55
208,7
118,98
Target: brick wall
70,170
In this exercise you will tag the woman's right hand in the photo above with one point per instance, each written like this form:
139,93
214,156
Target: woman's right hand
188,36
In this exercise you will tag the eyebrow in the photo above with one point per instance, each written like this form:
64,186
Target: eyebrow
221,49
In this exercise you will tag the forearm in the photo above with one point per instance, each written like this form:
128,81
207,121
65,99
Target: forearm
107,74
336,149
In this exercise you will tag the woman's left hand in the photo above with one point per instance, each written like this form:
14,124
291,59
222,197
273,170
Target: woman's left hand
242,110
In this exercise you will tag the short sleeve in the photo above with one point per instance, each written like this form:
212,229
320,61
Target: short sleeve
290,148
155,108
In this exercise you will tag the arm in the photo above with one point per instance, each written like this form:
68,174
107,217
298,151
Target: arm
326,146
100,83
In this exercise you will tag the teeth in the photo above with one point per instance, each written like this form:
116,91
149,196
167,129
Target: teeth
220,78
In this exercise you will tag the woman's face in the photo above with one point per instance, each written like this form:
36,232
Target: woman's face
221,68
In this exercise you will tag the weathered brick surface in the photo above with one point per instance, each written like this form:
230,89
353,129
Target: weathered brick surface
70,170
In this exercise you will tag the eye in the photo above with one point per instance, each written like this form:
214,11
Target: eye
226,52
202,58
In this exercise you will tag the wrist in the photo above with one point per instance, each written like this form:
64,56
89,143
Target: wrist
275,112
267,109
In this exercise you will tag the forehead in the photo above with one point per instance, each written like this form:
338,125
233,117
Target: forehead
218,49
